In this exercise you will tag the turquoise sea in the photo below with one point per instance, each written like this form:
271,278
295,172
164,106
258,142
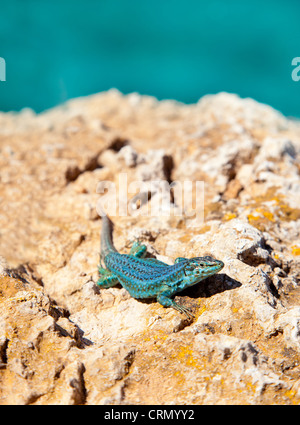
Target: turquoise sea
59,49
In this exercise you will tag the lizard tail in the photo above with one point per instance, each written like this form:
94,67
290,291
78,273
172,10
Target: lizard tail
106,236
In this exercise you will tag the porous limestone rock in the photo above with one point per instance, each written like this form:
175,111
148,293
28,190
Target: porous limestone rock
65,341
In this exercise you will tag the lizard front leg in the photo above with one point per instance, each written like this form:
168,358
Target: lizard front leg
164,299
138,250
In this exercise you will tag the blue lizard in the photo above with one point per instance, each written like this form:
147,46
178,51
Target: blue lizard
149,277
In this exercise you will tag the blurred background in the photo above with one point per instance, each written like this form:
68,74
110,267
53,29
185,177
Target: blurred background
59,49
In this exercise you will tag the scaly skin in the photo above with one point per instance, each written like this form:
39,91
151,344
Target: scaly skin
148,278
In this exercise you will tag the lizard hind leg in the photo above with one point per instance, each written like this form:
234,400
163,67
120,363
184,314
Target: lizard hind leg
106,278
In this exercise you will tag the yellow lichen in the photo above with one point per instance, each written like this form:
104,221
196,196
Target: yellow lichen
263,213
229,216
295,250
283,211
290,394
251,387
201,310
186,354
268,215
252,217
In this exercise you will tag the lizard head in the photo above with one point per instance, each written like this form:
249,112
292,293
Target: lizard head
199,268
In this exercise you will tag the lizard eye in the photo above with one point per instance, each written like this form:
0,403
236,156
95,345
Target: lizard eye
201,264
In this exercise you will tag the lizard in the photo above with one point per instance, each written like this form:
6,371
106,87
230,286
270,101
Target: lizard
149,277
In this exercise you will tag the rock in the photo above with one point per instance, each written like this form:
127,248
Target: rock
65,341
